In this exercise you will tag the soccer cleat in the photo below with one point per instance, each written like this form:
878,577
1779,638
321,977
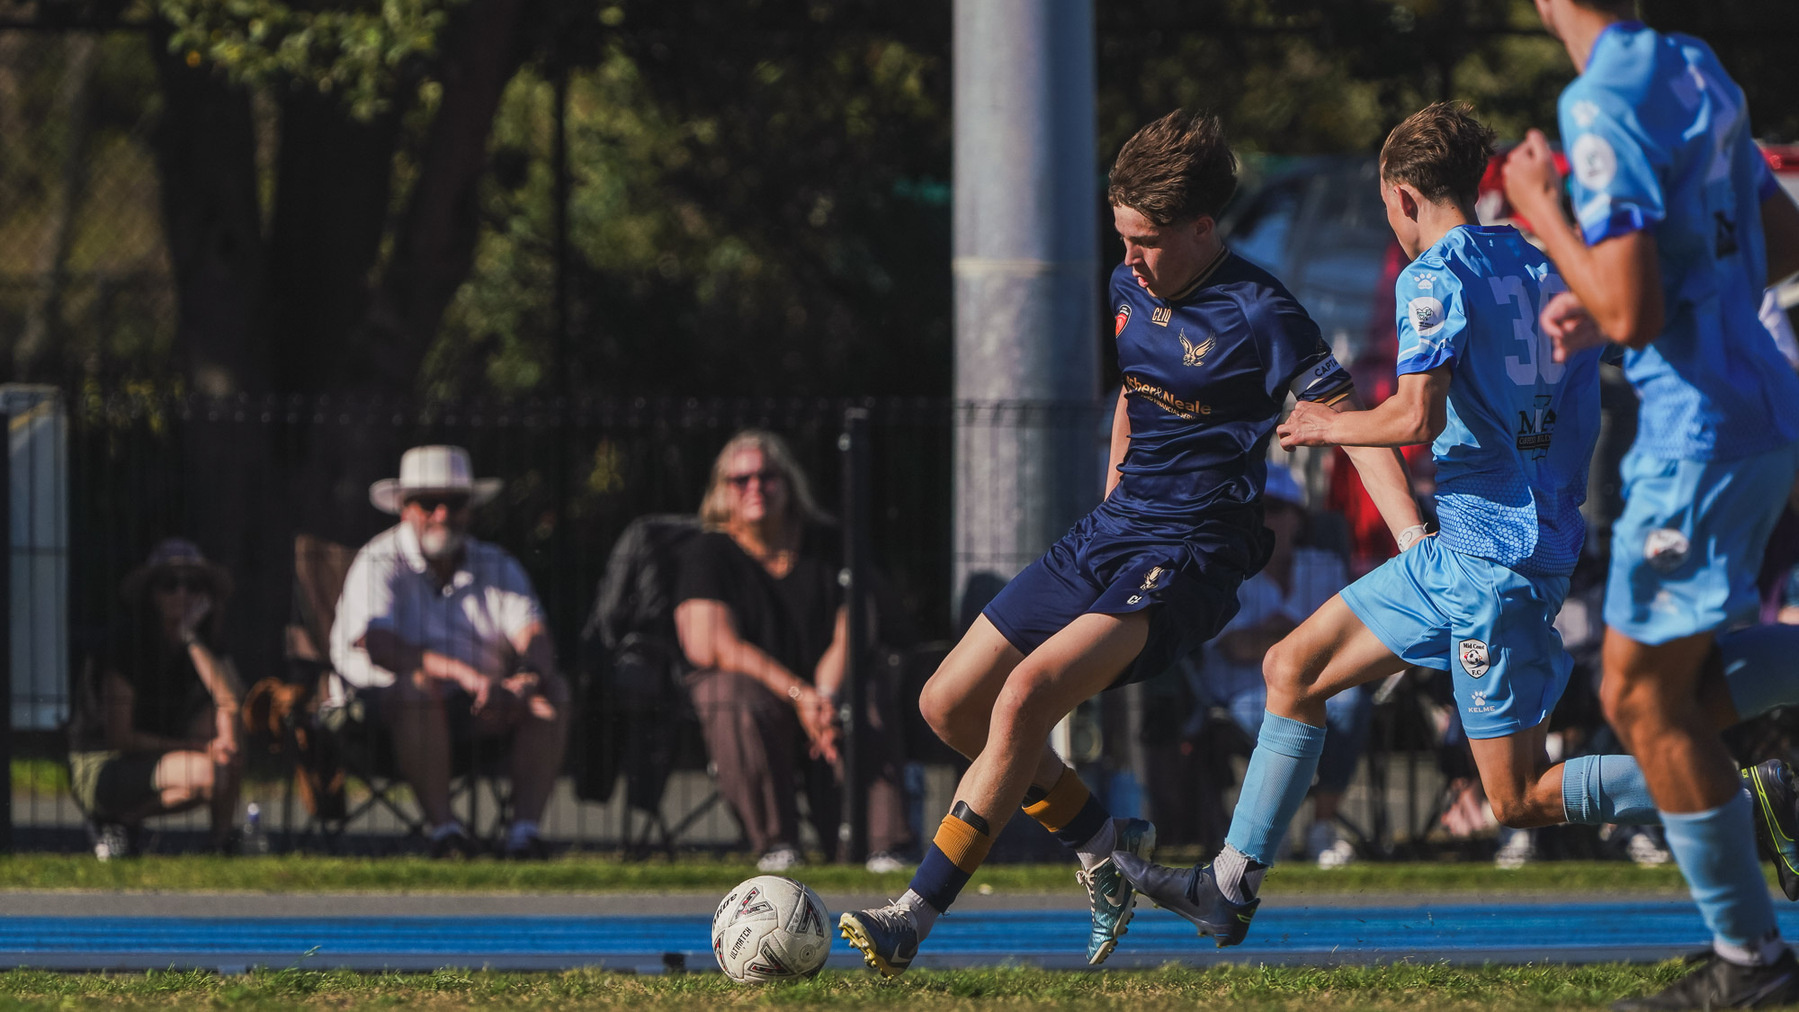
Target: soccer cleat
886,936
1717,983
1775,796
1109,894
1192,893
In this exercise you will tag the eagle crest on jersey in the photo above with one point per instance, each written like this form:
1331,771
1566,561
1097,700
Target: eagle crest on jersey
1195,354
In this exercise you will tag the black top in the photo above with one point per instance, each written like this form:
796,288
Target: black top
792,618
168,691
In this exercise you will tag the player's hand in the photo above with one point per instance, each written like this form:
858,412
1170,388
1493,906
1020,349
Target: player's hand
1532,182
1307,425
1569,327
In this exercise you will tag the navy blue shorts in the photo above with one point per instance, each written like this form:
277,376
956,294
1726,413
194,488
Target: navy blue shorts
1115,561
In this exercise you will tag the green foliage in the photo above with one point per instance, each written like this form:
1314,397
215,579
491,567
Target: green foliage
362,51
757,207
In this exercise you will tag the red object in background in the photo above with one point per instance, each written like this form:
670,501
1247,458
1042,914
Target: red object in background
1782,157
1491,202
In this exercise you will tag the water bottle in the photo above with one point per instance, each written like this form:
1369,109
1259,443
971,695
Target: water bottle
254,840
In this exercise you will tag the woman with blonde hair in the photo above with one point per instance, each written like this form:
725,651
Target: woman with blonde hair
762,620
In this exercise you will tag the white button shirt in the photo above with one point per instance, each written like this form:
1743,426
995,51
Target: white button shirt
474,618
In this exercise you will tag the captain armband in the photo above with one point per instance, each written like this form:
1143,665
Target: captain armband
1324,383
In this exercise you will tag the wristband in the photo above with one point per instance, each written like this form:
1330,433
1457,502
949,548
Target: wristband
1412,535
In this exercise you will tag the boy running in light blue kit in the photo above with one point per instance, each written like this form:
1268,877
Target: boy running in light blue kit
1512,430
1668,259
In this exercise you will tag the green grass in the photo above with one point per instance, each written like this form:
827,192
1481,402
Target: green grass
589,873
45,777
49,778
1254,990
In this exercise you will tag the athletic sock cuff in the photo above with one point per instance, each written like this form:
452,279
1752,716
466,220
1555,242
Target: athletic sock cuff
1062,803
954,854
1293,738
1580,785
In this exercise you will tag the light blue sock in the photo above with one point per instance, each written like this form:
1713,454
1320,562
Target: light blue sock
1597,789
1716,853
1761,668
1280,773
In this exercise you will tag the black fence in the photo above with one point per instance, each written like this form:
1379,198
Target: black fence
277,492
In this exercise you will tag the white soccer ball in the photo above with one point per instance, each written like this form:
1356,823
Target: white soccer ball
770,928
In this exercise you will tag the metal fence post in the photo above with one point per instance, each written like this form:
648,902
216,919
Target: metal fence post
6,672
853,715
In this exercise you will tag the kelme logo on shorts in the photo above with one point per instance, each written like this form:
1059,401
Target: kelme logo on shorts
1473,654
1666,548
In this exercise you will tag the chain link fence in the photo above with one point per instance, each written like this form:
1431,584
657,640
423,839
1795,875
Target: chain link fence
85,283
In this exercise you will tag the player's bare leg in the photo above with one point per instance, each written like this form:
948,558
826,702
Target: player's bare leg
1651,697
1012,759
1330,652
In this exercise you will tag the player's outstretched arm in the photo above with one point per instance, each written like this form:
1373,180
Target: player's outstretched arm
1382,468
1618,280
1415,414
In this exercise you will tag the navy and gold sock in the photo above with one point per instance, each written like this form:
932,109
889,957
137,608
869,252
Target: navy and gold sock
961,844
1068,810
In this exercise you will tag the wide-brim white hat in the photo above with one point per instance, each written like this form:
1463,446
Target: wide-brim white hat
425,469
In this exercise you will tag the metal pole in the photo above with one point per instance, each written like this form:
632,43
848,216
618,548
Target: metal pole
1027,458
853,715
564,589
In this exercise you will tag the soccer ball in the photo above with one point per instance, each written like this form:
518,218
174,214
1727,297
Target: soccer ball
770,928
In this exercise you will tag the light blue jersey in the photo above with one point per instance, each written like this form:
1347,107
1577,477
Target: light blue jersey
1512,461
1657,135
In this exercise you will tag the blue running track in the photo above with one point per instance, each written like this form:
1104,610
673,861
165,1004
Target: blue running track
1458,933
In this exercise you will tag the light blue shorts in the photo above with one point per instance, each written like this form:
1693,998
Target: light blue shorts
1491,627
1687,548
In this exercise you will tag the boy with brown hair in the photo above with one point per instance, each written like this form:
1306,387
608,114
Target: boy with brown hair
1210,346
1511,432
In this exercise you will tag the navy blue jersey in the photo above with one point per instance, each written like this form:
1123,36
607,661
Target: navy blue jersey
1206,375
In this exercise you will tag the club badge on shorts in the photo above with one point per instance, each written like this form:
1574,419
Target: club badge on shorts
1473,655
1665,549
1150,579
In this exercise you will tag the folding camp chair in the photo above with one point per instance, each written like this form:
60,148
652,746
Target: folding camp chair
330,733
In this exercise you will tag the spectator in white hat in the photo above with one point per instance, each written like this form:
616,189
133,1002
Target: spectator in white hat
444,636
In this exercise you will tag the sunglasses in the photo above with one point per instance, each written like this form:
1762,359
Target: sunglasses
430,503
193,583
742,481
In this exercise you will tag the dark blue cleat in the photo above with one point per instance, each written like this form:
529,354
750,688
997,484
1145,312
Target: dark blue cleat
1192,893
886,936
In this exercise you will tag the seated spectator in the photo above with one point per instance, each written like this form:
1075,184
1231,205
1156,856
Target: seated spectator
443,636
1296,581
762,620
164,737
